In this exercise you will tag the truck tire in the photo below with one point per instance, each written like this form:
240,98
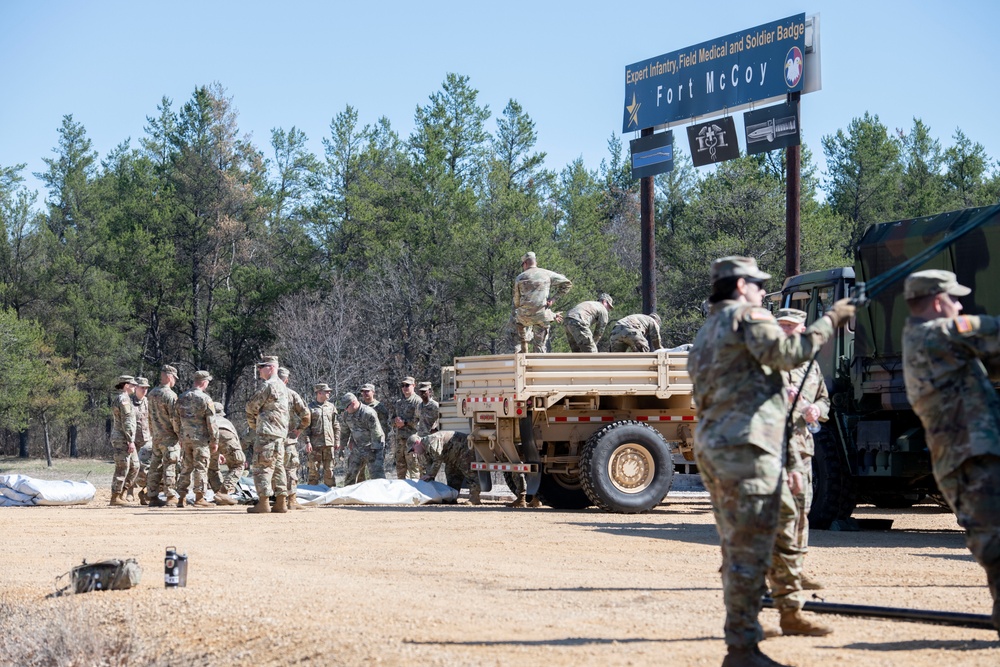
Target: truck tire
563,493
833,489
626,467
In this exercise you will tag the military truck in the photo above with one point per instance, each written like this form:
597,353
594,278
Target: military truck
602,429
872,448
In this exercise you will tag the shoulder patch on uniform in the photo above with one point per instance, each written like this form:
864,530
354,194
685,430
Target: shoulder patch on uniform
963,323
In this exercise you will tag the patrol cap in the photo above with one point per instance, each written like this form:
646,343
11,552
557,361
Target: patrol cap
424,386
219,409
140,381
283,372
167,368
528,257
347,400
604,296
933,281
791,315
202,375
408,380
124,379
368,387
737,267
322,386
412,441
268,361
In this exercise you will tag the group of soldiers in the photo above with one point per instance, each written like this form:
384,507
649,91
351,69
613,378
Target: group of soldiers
749,369
165,444
536,290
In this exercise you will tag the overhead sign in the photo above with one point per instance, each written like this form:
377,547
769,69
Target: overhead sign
772,127
652,155
753,65
713,142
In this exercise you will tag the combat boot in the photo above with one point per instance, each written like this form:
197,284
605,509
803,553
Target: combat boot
748,656
474,498
154,501
794,623
263,506
293,502
518,502
117,500
224,499
143,500
280,505
130,495
535,502
181,500
199,501
172,501
809,584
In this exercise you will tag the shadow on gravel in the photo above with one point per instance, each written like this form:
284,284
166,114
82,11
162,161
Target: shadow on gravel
675,532
921,644
602,589
568,641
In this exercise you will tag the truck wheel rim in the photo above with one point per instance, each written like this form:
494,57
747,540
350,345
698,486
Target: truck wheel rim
631,468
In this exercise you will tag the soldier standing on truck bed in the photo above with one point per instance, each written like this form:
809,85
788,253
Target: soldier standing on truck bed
636,333
791,542
535,290
585,323
739,438
949,388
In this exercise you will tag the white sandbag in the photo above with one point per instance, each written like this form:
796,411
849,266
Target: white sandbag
24,490
379,492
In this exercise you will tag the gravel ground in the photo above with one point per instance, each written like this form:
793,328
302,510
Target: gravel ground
461,585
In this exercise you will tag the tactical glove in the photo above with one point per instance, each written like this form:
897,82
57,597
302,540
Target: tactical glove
840,312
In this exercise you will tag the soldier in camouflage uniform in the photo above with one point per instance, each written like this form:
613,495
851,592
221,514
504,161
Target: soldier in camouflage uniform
143,438
430,410
368,438
123,440
298,419
166,449
382,410
194,422
945,359
322,438
535,290
267,416
231,453
450,449
791,543
738,444
585,323
407,421
636,333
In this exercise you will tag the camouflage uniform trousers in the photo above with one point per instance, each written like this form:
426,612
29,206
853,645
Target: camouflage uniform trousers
126,467
791,543
406,462
162,473
292,463
743,483
458,468
579,335
194,468
321,461
360,457
628,340
145,456
269,467
236,463
973,492
533,336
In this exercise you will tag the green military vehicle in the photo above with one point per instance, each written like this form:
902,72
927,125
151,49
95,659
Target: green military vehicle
872,449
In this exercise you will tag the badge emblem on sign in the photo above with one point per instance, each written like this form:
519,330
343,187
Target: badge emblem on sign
714,141
793,67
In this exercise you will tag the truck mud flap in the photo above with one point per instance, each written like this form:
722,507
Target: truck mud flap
531,455
485,481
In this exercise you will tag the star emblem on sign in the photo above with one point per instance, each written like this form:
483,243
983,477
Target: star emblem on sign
633,111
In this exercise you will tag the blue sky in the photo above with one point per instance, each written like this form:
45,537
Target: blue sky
299,63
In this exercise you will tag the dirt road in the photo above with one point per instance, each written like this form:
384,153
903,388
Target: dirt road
466,586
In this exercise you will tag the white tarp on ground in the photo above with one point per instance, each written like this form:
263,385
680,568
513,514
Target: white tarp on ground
21,490
378,492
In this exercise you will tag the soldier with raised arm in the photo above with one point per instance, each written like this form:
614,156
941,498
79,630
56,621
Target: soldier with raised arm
739,439
267,416
535,291
945,360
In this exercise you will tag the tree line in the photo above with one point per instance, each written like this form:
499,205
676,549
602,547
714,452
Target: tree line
384,256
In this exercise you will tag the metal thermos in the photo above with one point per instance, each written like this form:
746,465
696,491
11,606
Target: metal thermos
175,568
